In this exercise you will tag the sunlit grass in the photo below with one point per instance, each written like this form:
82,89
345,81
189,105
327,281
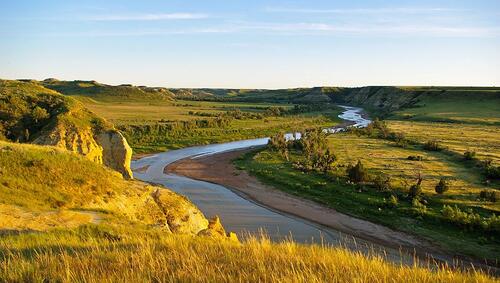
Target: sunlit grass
94,255
384,157
484,139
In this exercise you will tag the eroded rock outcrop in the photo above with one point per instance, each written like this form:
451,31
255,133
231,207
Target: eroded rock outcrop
116,153
181,216
217,231
108,147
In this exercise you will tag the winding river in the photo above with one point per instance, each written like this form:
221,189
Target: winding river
249,218
238,214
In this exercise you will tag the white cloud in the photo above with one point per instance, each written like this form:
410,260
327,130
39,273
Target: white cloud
330,29
148,17
402,10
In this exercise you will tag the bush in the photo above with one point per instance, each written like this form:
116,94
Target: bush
469,155
416,189
382,183
323,162
393,201
492,172
418,208
442,186
470,220
357,173
490,195
279,143
415,158
432,146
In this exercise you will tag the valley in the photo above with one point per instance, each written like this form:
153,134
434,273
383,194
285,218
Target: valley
280,193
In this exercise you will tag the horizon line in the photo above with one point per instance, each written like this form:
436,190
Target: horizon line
258,88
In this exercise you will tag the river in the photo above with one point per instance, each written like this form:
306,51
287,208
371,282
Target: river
241,215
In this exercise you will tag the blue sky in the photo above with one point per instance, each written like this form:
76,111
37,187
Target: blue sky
253,44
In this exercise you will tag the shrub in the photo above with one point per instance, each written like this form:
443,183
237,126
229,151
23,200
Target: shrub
470,220
415,158
432,146
357,173
382,183
393,201
279,143
442,186
323,162
469,155
416,189
492,172
490,195
418,208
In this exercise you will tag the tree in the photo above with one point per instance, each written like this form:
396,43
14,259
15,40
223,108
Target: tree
442,186
382,183
357,173
416,189
323,162
279,143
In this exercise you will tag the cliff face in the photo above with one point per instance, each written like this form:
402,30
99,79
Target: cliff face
116,153
108,147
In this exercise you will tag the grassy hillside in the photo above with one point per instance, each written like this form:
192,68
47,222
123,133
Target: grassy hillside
27,108
44,187
103,92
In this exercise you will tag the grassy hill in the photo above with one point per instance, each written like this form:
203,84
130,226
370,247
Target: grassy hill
103,92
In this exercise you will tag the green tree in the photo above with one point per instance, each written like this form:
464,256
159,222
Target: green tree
442,186
416,189
357,173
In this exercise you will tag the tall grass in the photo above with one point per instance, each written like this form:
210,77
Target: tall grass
97,256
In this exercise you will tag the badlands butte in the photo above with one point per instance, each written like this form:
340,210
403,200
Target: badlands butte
71,209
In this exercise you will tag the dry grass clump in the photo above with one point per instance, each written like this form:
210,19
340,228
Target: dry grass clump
93,254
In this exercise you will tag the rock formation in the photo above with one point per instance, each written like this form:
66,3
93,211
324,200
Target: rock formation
181,216
116,153
108,147
217,231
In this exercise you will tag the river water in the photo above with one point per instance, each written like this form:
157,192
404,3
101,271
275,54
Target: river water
243,216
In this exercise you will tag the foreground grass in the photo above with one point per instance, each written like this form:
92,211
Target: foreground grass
367,203
103,254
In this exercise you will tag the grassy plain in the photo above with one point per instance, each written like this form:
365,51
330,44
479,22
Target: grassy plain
149,113
464,108
483,139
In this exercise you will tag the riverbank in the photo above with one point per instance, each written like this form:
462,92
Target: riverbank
219,169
